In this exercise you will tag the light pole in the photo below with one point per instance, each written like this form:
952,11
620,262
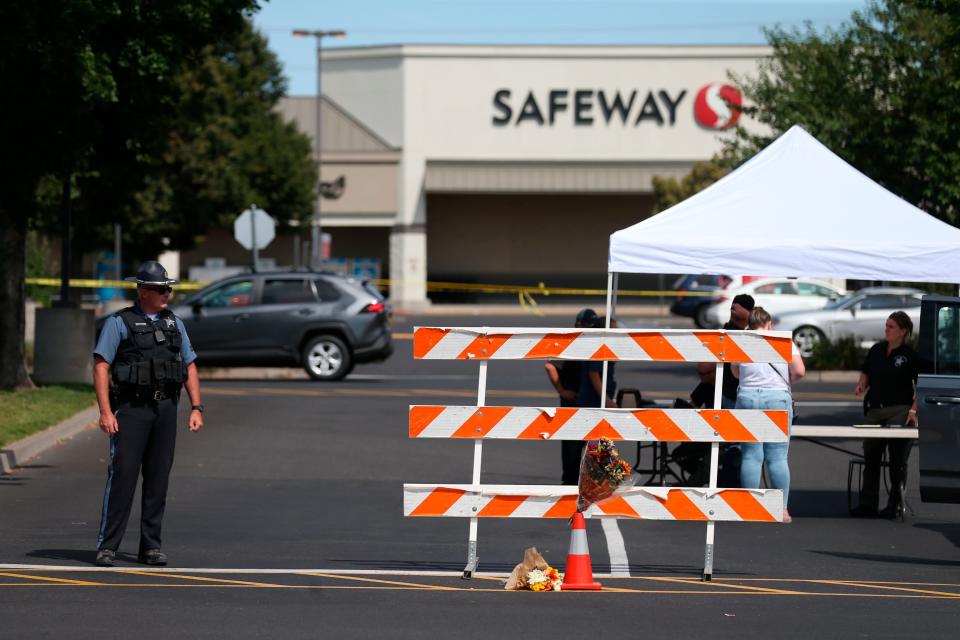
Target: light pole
315,232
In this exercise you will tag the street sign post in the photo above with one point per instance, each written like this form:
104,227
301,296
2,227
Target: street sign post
254,229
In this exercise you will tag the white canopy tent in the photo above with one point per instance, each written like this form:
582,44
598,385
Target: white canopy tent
794,209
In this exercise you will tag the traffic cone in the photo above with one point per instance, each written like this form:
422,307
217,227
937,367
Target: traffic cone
579,573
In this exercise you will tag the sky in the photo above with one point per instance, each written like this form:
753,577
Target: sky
596,22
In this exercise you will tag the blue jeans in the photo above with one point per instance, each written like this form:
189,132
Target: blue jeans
773,453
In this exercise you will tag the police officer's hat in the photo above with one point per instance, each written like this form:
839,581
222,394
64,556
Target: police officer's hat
152,272
586,318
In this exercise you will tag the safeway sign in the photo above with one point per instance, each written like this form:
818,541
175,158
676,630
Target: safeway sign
254,229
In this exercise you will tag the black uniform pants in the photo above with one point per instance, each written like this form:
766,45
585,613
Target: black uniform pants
898,454
144,444
571,451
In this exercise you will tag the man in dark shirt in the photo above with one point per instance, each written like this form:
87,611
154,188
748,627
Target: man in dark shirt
565,377
740,309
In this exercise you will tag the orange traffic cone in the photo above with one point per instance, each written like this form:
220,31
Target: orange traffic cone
579,573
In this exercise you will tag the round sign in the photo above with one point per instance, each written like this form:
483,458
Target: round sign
712,106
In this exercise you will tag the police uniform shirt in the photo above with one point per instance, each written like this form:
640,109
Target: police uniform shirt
890,377
115,330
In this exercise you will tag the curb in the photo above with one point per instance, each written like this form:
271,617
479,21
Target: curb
514,309
838,375
21,451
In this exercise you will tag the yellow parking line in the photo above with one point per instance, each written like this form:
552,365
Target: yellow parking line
80,583
867,585
201,578
726,585
381,581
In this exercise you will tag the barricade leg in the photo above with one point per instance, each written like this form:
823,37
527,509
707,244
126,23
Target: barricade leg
707,575
708,552
472,558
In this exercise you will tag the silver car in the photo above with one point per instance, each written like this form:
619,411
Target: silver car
860,315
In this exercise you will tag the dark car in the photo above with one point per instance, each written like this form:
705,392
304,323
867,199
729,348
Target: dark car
324,322
938,399
695,306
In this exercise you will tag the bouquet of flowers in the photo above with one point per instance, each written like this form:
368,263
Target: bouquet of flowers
544,579
534,574
601,472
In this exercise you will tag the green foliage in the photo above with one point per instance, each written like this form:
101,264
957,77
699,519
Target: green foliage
844,353
670,191
91,90
27,411
227,149
880,91
95,86
224,147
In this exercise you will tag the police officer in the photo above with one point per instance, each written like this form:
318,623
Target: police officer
141,360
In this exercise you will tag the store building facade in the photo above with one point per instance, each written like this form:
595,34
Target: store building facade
509,164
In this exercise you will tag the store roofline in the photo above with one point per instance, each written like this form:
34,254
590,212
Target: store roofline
604,51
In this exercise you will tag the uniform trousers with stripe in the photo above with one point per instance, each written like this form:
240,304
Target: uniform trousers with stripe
144,444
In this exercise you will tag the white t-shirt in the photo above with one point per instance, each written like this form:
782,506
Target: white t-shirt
764,375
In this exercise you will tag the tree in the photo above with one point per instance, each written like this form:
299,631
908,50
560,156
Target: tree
227,148
90,89
881,92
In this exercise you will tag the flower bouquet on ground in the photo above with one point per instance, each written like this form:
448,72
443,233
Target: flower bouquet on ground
602,471
534,574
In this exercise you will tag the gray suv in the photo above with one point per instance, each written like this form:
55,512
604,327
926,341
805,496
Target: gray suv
324,322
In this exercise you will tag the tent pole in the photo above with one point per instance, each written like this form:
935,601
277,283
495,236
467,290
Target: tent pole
611,307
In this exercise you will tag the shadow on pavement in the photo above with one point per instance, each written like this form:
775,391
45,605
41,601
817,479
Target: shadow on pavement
949,531
500,567
76,555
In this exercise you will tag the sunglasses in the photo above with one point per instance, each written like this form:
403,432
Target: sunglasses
160,290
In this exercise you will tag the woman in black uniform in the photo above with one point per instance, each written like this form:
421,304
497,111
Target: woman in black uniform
889,376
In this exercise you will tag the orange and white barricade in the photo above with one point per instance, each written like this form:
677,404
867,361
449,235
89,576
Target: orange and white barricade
481,422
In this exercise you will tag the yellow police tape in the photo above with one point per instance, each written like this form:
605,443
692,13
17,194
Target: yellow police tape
525,293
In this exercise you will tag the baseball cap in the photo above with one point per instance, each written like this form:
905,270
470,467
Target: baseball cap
586,318
744,300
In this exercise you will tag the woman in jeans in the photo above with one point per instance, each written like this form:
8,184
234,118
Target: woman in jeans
765,385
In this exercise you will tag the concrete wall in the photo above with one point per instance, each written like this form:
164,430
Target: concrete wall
63,347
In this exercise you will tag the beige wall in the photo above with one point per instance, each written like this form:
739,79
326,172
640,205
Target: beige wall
370,193
557,238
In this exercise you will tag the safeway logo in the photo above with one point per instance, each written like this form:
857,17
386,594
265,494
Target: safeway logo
712,107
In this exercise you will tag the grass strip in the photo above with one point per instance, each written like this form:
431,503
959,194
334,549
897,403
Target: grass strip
27,411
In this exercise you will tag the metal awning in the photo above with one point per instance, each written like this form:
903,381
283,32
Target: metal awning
446,176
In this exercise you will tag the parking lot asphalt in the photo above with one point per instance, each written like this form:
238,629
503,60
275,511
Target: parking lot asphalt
284,519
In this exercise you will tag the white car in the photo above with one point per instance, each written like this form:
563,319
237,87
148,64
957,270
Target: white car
861,315
777,296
